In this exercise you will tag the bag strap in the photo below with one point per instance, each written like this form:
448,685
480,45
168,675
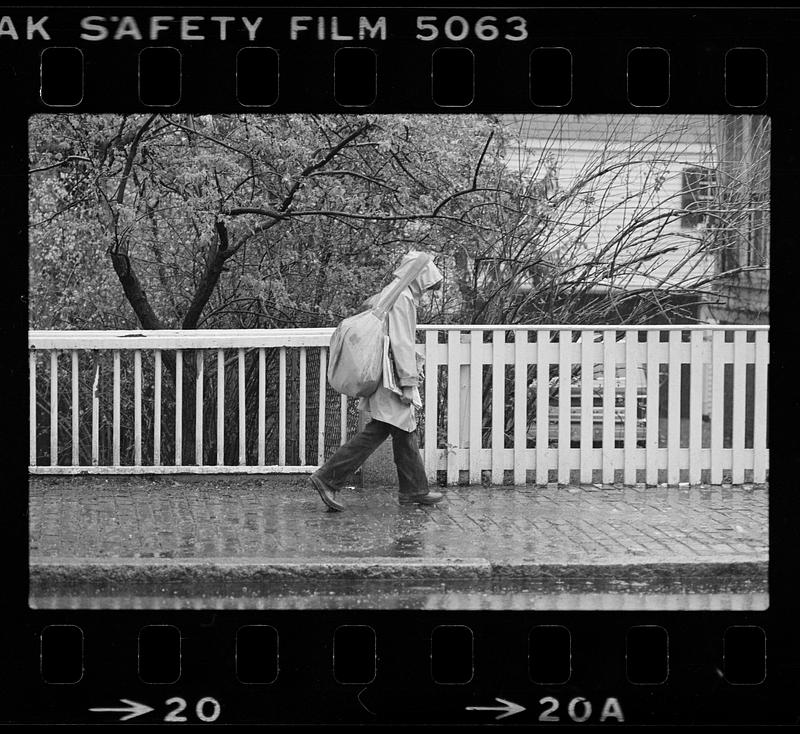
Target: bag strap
383,308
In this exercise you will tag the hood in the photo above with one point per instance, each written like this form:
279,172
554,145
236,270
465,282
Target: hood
428,277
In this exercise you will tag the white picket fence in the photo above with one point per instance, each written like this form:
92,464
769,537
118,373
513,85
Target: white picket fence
514,404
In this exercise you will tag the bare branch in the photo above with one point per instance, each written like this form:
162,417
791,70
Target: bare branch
131,157
255,210
68,159
329,156
354,174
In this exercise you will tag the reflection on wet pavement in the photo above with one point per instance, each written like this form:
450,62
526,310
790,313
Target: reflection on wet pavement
701,594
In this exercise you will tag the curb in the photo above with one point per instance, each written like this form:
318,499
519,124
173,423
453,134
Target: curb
73,571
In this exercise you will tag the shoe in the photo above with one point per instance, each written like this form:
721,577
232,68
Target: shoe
326,493
431,498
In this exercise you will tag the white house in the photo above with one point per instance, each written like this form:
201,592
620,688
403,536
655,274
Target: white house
619,183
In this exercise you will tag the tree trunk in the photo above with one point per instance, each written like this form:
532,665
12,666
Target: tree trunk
215,263
134,291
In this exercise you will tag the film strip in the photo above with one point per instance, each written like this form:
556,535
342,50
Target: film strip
399,637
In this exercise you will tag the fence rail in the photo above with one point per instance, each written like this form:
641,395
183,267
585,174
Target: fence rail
600,403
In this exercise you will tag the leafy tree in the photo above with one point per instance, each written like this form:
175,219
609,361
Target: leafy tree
251,221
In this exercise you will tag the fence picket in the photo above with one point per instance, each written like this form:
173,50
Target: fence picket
587,405
520,405
464,411
321,427
631,406
54,408
343,421
220,407
137,408
96,414
717,395
564,405
262,397
475,406
179,408
609,405
542,405
453,422
198,408
75,410
652,430
431,403
32,408
157,407
674,408
739,392
282,405
760,452
695,408
498,404
242,411
116,410
302,399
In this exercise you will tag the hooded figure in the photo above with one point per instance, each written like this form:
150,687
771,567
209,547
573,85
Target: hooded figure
385,405
391,414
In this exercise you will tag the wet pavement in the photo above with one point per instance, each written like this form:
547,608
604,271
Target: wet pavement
709,594
272,533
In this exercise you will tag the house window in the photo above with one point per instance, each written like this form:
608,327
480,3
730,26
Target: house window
748,246
697,193
733,139
759,219
758,251
732,250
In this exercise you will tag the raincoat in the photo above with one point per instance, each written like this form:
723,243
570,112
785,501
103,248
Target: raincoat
385,405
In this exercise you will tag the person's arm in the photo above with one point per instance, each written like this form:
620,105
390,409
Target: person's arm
403,337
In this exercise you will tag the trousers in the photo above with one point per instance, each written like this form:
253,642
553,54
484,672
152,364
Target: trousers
405,446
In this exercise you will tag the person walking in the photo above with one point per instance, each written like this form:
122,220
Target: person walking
392,414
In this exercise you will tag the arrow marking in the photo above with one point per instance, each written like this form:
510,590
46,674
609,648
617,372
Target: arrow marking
508,707
132,709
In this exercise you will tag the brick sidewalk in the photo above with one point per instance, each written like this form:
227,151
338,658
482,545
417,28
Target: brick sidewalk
274,518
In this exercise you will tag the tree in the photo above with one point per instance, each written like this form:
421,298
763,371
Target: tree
244,220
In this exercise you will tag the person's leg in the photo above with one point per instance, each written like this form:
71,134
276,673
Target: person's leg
352,454
413,481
